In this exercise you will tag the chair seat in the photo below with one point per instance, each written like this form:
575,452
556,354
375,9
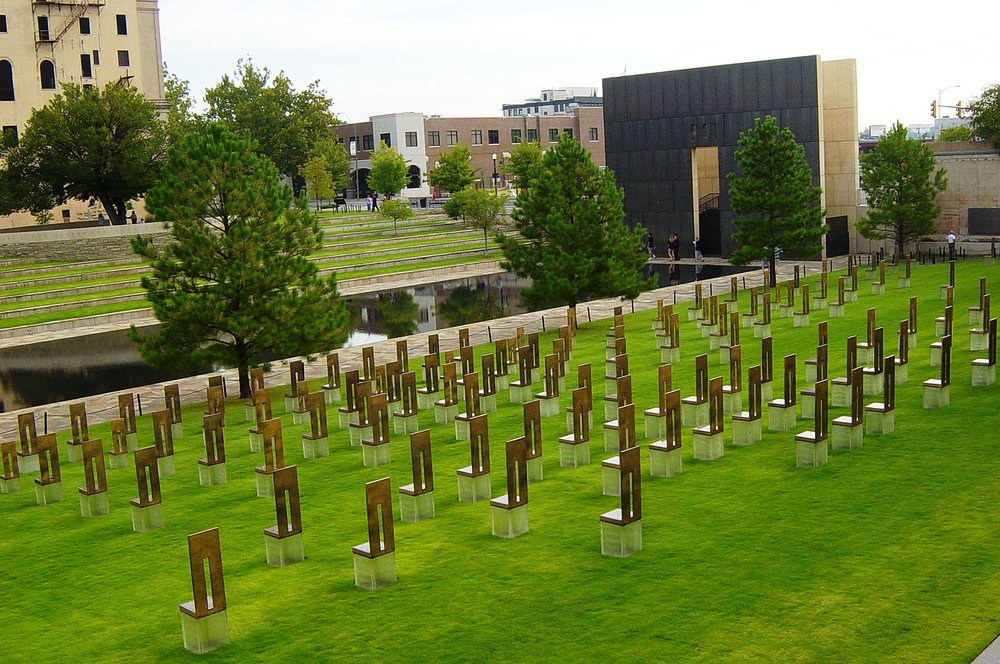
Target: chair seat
872,371
570,439
780,403
693,401
612,462
934,382
982,362
364,549
614,516
845,421
877,407
728,389
705,431
655,412
744,416
503,502
841,381
468,472
807,437
664,446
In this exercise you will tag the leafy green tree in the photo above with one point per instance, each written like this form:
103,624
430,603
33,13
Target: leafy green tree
319,182
902,183
388,171
180,118
338,162
956,134
775,196
572,242
86,143
523,163
235,284
397,311
286,124
397,210
481,209
453,172
985,114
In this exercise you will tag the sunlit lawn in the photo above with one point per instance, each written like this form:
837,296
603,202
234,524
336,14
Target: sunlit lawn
887,552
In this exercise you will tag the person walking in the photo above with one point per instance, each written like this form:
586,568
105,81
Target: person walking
697,250
951,245
650,245
673,247
374,201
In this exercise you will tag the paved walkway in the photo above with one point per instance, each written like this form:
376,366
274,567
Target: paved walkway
104,407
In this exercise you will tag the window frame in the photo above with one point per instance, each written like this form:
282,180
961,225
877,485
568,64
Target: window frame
84,22
493,136
476,137
553,135
531,135
433,138
593,135
121,24
86,66
410,139
515,136
10,90
451,137
124,59
368,142
41,75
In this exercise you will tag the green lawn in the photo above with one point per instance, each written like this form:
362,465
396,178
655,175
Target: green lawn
886,553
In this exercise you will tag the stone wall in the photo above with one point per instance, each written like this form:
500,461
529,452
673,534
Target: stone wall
80,244
973,182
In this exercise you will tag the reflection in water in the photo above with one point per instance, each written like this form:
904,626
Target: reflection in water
77,367
470,305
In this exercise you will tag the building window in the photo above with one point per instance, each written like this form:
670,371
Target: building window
494,136
3,23
368,142
451,138
123,58
9,136
6,81
515,136
434,139
532,135
84,25
43,28
97,58
553,135
477,136
47,72
568,132
411,139
85,69
593,133
122,24
385,138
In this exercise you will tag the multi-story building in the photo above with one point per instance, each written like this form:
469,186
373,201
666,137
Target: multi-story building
44,44
558,101
421,139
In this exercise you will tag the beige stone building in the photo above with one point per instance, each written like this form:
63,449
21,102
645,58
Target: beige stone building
422,138
45,44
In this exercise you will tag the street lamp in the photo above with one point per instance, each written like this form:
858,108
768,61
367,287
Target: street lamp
494,173
944,90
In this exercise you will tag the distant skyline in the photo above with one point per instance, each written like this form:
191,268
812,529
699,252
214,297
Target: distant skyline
443,57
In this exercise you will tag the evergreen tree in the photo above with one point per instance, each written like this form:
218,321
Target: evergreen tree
775,196
902,182
235,283
572,242
388,172
453,172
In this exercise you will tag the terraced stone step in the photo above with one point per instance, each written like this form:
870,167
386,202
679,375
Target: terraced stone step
67,278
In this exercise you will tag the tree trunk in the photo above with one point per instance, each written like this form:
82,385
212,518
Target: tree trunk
243,365
774,270
486,243
114,209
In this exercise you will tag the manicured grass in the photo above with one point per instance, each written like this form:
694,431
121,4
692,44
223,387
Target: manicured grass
888,552
423,265
61,299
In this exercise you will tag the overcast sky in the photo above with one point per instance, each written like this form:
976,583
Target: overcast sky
462,58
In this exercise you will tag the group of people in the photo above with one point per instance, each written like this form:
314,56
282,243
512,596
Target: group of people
371,201
673,247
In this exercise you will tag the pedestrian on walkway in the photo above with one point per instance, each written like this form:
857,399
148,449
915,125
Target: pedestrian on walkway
697,250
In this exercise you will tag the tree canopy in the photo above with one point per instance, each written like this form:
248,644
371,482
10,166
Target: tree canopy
453,172
319,182
774,194
481,209
571,240
286,124
235,284
84,144
388,171
520,166
902,182
397,210
985,114
956,134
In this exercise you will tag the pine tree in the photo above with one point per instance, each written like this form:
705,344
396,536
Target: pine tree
572,242
235,283
775,196
901,181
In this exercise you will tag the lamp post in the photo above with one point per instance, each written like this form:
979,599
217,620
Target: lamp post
944,90
494,173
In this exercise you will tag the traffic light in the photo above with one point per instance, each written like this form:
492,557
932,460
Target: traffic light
958,108
933,109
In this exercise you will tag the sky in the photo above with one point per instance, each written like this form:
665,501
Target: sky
461,58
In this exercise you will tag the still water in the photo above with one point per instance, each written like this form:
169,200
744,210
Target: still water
82,366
